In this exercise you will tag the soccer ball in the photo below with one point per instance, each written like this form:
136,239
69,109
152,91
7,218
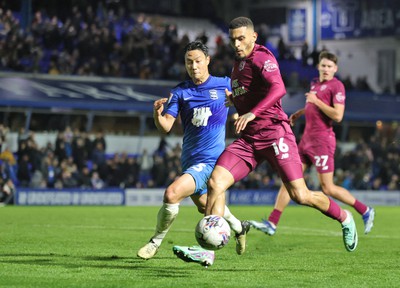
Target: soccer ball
213,232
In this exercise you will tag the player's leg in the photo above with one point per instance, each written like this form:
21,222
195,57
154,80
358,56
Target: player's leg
235,163
181,188
232,166
268,226
221,179
299,192
343,195
285,157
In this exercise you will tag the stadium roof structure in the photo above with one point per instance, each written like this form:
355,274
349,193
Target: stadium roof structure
70,93
81,93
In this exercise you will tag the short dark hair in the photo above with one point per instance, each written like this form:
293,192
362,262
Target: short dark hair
328,55
241,22
196,45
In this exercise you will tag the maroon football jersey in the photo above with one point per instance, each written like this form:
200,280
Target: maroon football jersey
330,92
257,87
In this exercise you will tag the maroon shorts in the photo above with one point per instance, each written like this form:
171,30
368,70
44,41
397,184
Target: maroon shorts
277,145
318,150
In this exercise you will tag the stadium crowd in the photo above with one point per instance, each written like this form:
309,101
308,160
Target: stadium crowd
98,41
111,41
78,160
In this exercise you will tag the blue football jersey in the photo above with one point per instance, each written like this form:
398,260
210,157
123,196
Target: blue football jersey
203,114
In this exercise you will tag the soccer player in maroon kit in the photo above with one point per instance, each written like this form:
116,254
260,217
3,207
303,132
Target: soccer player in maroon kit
325,103
265,133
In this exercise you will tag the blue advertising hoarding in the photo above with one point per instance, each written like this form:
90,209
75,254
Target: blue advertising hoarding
347,19
32,197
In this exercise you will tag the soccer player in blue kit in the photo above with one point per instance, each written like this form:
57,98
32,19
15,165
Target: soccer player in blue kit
201,105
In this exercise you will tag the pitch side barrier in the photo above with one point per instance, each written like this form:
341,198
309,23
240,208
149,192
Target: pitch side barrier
66,197
154,197
267,197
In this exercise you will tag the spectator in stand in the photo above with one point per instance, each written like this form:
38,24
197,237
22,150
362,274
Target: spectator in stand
24,170
3,136
50,170
7,191
394,184
84,178
158,171
362,84
99,138
304,53
282,49
132,170
97,182
59,150
146,163
68,180
79,153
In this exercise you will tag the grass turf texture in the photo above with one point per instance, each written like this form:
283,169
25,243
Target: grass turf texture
97,246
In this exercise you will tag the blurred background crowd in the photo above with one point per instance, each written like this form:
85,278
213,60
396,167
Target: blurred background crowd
78,160
99,39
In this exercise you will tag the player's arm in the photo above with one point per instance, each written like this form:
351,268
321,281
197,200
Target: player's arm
269,71
275,93
164,122
334,112
296,116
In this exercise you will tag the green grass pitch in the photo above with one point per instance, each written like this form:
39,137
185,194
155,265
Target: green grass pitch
96,247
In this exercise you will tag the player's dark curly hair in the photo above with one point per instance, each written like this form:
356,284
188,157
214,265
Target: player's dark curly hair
241,22
196,45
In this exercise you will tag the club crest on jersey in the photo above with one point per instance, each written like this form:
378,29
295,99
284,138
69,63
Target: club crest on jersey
213,94
323,87
241,65
340,97
270,66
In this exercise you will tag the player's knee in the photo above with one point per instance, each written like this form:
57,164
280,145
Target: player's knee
301,197
217,185
213,184
170,196
328,189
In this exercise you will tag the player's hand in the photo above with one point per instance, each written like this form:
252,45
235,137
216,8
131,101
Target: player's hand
311,97
293,118
158,106
228,98
242,121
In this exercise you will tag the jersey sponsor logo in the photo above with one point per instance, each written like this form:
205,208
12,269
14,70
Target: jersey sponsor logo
200,116
340,97
241,65
187,98
236,90
213,94
323,87
270,66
